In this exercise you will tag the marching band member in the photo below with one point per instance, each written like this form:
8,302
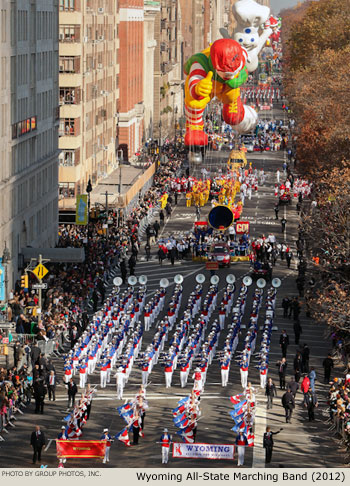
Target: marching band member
165,441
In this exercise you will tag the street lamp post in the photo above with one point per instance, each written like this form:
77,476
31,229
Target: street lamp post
160,140
6,257
175,123
88,190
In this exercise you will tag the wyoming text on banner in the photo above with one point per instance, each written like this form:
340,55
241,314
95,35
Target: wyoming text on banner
204,451
80,448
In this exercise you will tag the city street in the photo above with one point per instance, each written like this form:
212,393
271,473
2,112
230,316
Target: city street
300,444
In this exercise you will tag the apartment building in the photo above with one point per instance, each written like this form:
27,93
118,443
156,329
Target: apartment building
168,84
131,112
28,127
88,94
151,10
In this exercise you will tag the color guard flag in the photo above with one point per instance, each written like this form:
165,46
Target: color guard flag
73,431
179,409
240,427
239,407
184,423
237,418
124,408
236,399
183,400
250,438
128,416
123,436
179,419
186,435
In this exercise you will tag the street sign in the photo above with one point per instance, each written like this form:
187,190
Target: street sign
40,271
42,286
212,266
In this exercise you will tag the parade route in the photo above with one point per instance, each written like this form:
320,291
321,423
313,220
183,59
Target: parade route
300,444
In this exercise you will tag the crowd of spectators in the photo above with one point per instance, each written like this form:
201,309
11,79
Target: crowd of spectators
15,393
76,288
339,406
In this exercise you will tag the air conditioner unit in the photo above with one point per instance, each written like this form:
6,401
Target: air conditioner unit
100,10
61,36
99,65
101,37
105,148
86,39
103,93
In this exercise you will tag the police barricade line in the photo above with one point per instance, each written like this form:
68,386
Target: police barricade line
340,428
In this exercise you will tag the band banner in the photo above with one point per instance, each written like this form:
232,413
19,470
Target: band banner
80,448
81,215
203,451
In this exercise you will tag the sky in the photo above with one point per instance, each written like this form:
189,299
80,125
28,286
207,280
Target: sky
277,5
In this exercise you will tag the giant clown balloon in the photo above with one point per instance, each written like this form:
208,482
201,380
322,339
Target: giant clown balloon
217,71
222,68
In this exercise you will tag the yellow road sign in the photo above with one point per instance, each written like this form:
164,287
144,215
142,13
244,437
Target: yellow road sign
40,271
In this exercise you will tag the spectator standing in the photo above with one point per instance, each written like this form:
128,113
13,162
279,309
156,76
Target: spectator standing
270,392
293,386
284,343
282,370
289,256
327,366
283,224
310,402
297,331
288,404
305,385
39,395
37,441
312,378
51,385
156,227
298,367
161,217
305,356
35,354
285,306
268,443
72,391
17,353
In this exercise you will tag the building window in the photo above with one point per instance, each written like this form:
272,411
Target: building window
23,127
67,5
67,127
67,158
66,189
69,33
69,64
69,96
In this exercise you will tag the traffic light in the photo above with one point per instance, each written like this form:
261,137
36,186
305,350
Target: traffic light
24,281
